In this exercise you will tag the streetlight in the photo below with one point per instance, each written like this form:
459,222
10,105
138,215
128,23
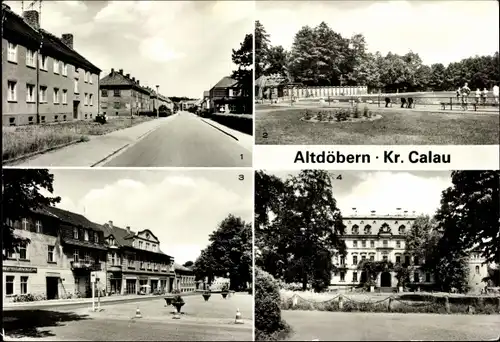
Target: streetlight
157,99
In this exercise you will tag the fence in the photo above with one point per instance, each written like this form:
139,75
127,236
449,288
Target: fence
299,92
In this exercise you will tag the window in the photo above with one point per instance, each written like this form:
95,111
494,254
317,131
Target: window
368,229
372,243
140,244
87,257
42,119
30,58
416,260
86,235
104,93
355,230
342,276
38,225
43,63
65,96
116,92
354,276
64,70
407,259
355,243
147,246
342,260
24,285
401,230
398,244
91,102
56,95
477,269
354,259
75,233
86,99
12,52
30,93
398,259
154,247
56,66
416,277
12,91
427,277
96,237
76,255
22,252
386,243
116,105
43,94
385,258
76,86
9,285
363,257
85,77
24,224
50,255
372,257
90,78
113,255
363,243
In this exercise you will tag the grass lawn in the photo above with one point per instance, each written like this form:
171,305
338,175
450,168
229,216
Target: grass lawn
397,127
19,141
328,326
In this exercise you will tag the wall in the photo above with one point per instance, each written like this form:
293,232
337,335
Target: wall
125,101
475,278
24,74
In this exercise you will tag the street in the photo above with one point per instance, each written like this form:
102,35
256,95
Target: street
184,141
210,321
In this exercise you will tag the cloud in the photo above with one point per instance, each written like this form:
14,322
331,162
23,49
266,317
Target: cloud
181,211
157,50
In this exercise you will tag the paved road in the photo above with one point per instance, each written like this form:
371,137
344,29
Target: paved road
185,141
355,326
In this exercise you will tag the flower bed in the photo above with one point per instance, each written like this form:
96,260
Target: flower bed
335,115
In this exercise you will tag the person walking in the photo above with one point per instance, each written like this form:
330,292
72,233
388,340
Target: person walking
478,95
484,95
465,95
495,94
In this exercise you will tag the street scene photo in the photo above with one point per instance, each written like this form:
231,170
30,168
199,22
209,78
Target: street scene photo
127,255
377,256
127,83
377,73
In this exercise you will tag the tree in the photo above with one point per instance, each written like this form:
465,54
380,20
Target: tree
188,264
437,78
22,195
230,251
277,60
261,49
469,214
298,233
243,58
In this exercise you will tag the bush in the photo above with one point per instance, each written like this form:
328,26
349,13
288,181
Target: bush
268,322
355,111
342,115
365,112
101,118
239,122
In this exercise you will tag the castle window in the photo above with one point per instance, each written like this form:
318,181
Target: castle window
355,229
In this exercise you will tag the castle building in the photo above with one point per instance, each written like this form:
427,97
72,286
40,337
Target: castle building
44,79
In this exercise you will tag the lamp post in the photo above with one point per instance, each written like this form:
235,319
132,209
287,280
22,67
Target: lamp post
158,100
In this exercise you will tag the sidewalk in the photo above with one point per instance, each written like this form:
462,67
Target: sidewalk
96,149
245,140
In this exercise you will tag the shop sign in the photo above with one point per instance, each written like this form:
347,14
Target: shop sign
19,269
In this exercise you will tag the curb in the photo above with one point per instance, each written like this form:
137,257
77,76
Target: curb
29,155
219,129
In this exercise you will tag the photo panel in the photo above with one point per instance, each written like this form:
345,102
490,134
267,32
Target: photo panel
367,76
414,255
169,86
169,251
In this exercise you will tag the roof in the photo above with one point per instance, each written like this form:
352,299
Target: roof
115,78
206,93
70,217
14,27
226,82
179,267
270,81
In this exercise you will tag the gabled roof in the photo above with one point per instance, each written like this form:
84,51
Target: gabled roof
14,27
115,78
179,267
71,218
226,82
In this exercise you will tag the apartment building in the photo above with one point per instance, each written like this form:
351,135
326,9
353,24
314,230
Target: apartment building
64,248
122,95
44,79
135,262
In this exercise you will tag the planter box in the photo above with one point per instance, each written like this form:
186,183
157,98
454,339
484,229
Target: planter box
168,300
224,295
206,297
178,306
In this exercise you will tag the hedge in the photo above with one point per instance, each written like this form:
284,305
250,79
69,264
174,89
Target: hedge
239,122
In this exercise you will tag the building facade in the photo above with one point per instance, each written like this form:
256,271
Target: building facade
135,263
43,78
64,248
376,237
184,278
227,96
122,95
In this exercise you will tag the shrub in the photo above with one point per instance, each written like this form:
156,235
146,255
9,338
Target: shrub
268,322
307,115
101,118
365,111
355,111
342,115
239,122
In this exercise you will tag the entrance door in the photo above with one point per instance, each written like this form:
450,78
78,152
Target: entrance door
52,287
76,106
363,279
385,279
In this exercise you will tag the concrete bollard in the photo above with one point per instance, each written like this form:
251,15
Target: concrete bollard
389,304
341,303
294,300
447,304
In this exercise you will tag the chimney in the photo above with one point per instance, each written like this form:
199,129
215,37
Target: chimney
373,212
138,82
121,71
133,79
32,17
128,229
110,223
67,39
128,75
112,70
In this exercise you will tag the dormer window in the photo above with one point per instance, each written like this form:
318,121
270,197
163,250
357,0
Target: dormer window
368,229
111,241
355,229
96,237
86,235
401,229
75,233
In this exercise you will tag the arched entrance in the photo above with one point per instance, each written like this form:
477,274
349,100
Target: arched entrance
363,278
385,279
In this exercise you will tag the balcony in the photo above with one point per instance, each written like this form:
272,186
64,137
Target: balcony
115,268
85,265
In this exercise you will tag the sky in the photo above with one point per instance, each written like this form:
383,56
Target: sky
181,208
439,31
183,46
384,192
